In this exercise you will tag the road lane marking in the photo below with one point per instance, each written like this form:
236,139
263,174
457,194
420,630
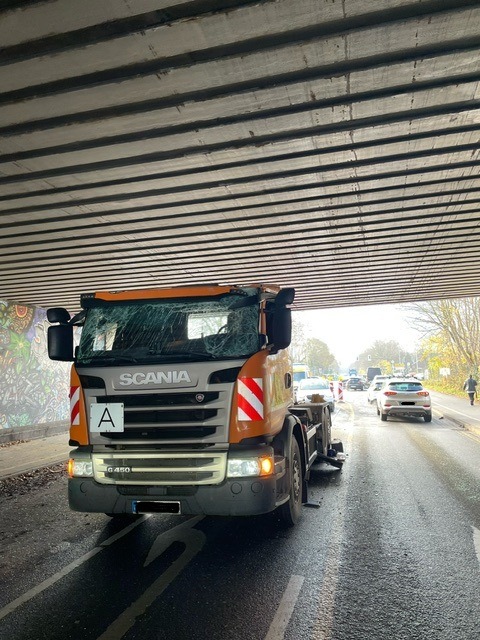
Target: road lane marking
285,609
476,542
31,593
465,415
472,436
193,539
164,540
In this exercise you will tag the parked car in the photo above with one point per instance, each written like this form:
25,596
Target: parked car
355,384
310,386
373,390
404,397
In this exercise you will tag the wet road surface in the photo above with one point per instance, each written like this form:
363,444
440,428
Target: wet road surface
392,551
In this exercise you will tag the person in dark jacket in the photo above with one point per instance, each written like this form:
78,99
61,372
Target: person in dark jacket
470,386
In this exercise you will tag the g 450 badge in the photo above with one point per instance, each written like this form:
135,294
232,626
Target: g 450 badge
119,469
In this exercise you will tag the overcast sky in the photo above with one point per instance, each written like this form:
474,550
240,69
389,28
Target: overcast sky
350,331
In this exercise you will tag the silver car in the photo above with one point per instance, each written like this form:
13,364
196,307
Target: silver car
404,397
314,386
373,390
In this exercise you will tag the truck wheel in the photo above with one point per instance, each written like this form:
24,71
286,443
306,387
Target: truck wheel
323,444
291,511
383,417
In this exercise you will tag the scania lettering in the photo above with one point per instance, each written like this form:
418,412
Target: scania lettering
152,377
182,402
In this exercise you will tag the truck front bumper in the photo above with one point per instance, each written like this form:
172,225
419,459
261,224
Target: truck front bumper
234,497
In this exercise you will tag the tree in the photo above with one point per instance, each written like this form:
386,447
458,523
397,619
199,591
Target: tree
382,354
297,346
456,325
311,351
319,357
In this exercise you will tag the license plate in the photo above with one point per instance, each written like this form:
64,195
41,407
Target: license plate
156,506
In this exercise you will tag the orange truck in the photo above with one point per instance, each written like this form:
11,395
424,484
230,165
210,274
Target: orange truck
181,402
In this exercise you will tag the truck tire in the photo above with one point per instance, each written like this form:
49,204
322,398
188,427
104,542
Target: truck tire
290,511
323,443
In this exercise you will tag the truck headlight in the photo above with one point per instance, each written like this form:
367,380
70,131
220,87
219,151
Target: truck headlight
250,467
80,468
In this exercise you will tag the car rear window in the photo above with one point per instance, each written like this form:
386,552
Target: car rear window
405,386
311,385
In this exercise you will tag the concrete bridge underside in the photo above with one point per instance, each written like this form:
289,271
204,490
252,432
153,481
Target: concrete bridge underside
328,145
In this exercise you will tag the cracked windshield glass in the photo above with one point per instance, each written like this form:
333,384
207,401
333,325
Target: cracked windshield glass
170,331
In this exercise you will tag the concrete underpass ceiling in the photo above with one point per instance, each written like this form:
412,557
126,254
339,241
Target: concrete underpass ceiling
326,145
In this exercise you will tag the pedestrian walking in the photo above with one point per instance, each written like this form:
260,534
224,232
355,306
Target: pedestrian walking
470,386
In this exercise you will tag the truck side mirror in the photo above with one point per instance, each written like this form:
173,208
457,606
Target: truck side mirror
282,328
60,342
285,296
57,314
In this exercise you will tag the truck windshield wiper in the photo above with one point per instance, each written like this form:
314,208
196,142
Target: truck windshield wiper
190,355
144,357
101,359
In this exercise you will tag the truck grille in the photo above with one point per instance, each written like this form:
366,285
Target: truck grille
163,417
160,468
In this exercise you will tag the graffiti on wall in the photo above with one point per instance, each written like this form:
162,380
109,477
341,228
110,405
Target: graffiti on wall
33,389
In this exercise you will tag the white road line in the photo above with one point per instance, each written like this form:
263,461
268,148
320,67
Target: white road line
31,593
465,415
476,542
285,609
193,539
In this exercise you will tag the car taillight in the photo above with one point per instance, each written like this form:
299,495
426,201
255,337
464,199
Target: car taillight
422,393
389,393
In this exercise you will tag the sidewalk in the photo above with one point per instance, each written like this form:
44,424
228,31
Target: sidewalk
458,410
35,454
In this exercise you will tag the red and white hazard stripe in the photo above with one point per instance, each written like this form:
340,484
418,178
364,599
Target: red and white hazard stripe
340,391
74,405
250,398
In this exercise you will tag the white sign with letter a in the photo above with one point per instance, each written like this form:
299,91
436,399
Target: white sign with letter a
106,417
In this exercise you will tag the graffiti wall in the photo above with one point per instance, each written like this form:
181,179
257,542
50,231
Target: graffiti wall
33,389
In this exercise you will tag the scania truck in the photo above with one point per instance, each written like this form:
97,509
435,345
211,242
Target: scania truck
181,402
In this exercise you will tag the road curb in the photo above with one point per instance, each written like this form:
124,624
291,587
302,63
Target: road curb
459,423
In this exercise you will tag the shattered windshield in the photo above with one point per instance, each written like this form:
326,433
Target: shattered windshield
170,331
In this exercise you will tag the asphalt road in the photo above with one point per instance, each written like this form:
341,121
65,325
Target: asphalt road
392,551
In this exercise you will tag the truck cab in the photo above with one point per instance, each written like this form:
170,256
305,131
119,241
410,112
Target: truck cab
180,402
